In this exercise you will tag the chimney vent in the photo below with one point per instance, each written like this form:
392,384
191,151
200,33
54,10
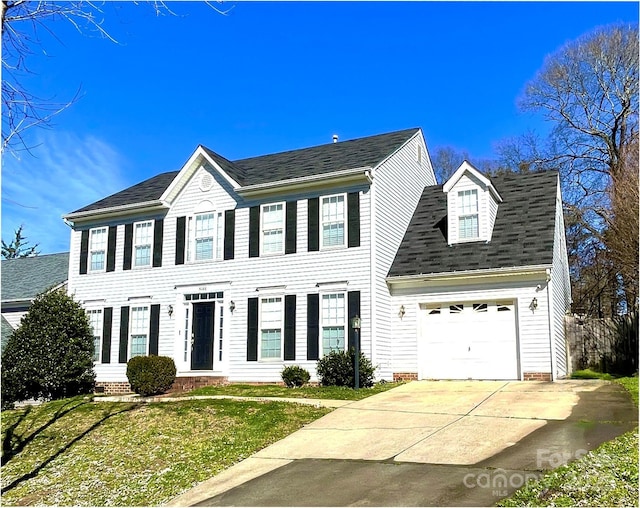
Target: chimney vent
335,138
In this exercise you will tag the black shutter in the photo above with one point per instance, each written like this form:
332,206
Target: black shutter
180,239
229,233
313,318
290,232
128,246
353,305
252,330
353,217
111,249
290,327
158,231
313,223
106,334
84,251
124,334
254,232
154,329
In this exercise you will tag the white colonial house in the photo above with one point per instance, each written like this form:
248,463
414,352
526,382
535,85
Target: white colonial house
237,269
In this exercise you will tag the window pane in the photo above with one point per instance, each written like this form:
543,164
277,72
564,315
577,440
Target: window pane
468,226
272,229
97,246
272,241
333,309
468,202
95,322
204,248
142,244
270,327
270,344
333,221
143,255
204,236
97,260
138,345
332,339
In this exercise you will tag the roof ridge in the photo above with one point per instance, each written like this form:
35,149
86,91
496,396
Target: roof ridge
362,138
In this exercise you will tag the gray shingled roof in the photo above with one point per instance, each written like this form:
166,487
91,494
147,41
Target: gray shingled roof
522,235
25,278
369,151
149,190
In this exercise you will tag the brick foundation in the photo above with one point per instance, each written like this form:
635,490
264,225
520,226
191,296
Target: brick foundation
113,388
405,376
186,384
537,376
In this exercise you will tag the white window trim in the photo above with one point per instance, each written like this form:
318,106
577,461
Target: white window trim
106,248
148,328
218,243
100,330
134,244
264,297
460,215
345,323
345,221
283,227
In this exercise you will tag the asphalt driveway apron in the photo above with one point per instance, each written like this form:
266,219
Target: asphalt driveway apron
446,443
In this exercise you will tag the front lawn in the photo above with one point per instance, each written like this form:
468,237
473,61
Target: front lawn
76,452
606,476
306,392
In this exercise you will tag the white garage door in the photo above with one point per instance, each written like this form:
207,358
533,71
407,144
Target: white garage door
469,340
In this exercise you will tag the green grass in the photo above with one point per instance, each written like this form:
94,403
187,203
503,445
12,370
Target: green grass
306,392
606,476
75,452
590,374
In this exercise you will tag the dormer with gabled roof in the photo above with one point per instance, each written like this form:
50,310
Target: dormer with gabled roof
472,205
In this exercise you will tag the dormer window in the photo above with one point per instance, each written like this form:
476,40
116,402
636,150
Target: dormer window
472,206
468,214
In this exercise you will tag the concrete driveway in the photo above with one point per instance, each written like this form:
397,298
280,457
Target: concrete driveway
427,444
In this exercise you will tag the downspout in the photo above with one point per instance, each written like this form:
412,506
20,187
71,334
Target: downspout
549,306
372,268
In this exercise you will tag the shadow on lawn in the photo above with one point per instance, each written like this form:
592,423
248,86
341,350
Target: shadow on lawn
14,442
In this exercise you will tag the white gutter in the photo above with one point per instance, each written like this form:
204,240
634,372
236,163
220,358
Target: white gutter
468,274
356,174
114,211
551,341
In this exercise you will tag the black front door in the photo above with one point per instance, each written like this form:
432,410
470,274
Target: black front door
202,336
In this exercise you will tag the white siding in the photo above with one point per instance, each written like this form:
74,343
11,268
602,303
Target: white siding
397,186
493,213
560,290
14,318
532,326
239,278
485,223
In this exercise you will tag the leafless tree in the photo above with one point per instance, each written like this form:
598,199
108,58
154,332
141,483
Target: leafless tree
23,23
588,91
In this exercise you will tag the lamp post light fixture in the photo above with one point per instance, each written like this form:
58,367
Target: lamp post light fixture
355,324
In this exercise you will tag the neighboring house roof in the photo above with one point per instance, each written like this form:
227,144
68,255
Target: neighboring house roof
25,278
318,160
523,233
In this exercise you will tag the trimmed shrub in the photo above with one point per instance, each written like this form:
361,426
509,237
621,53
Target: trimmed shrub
295,376
151,375
337,369
50,355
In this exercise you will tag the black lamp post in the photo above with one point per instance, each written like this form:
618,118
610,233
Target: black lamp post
355,324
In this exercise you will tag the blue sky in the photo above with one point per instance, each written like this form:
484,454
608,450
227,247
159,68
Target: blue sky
270,77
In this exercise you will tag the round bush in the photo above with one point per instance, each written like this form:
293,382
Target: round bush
50,355
337,369
295,376
151,375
